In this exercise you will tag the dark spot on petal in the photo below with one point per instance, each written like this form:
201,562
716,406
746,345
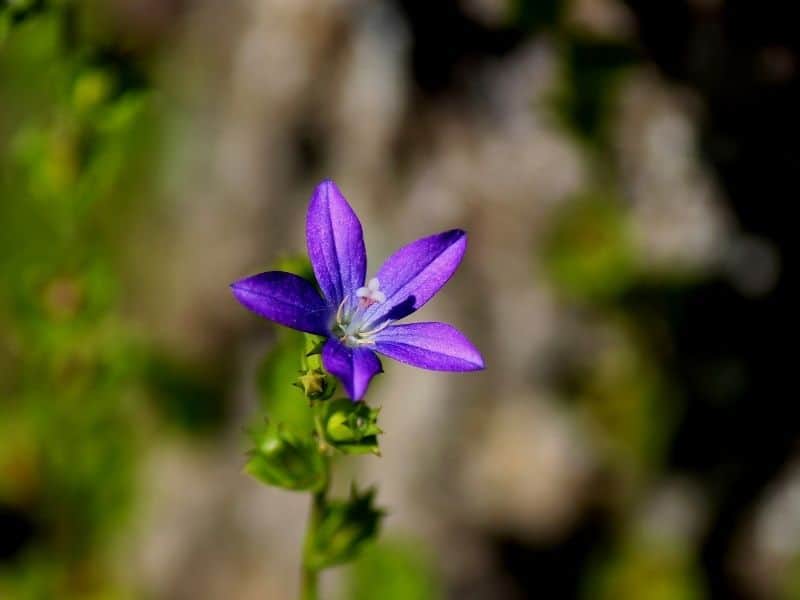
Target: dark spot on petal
403,309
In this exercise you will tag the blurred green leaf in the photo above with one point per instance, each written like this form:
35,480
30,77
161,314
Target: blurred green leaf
789,584
72,373
646,570
629,410
281,401
287,360
91,89
588,253
187,395
400,570
583,101
299,265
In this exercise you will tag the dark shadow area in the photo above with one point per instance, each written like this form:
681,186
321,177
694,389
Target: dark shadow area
401,309
731,355
17,531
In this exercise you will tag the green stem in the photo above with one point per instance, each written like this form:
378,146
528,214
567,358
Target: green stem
309,582
310,590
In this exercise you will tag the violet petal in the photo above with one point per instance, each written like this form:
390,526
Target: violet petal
413,274
354,367
286,299
434,346
335,243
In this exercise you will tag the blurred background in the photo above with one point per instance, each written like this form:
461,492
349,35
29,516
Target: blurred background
623,169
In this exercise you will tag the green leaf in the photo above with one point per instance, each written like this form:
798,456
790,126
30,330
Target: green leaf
400,569
282,402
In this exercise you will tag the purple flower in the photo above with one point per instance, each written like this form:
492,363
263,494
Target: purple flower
357,316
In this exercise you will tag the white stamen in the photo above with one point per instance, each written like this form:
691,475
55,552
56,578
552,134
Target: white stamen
371,293
350,326
339,311
377,329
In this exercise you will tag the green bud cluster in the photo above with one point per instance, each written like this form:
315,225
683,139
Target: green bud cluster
344,527
285,460
352,427
315,383
299,459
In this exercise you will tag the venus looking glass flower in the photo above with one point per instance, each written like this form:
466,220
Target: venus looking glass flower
359,317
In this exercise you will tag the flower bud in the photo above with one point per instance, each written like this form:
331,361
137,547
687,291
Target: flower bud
314,383
282,459
343,530
352,427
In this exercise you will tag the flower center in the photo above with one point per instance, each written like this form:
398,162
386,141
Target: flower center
350,327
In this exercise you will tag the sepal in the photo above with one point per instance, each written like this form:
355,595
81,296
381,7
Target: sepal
343,530
315,384
282,459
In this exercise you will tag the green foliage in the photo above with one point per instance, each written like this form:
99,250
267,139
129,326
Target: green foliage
592,71
285,460
343,529
628,407
281,402
184,394
589,253
399,570
71,370
643,569
788,586
297,264
13,12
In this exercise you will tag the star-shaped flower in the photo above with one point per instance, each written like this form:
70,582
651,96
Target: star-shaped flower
359,320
